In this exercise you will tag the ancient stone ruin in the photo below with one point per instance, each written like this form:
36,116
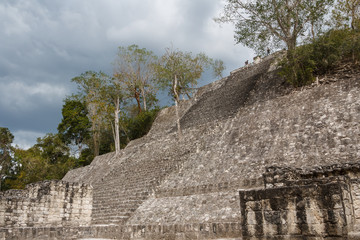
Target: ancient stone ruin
257,161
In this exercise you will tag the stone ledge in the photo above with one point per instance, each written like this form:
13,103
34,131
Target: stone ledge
354,236
208,188
218,230
286,176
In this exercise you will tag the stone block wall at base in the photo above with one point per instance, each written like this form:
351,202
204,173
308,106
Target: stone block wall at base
45,204
299,211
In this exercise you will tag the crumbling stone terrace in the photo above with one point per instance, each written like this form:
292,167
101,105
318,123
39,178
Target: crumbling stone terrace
258,160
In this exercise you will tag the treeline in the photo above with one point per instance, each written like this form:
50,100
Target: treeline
105,114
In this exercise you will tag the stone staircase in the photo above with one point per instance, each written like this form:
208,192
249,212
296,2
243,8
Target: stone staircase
127,186
230,94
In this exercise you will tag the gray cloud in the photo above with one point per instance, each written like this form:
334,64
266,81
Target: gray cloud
46,43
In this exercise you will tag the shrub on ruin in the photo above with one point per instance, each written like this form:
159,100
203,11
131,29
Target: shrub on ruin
320,56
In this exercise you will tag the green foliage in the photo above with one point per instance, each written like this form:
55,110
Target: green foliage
346,14
275,24
6,138
86,157
106,141
134,71
52,148
329,48
75,124
320,56
92,89
141,124
182,66
299,67
47,159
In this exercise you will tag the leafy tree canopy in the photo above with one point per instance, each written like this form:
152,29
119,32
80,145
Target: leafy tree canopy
92,86
262,24
47,159
134,70
75,124
6,139
347,14
185,67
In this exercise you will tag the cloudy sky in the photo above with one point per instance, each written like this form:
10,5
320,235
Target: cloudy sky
45,43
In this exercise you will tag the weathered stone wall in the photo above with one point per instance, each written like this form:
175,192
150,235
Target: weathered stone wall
355,193
323,129
184,231
296,212
44,204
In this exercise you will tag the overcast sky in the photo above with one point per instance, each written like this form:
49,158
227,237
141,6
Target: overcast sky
45,43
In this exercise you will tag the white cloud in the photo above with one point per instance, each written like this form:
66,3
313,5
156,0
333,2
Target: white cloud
147,20
25,139
18,96
13,21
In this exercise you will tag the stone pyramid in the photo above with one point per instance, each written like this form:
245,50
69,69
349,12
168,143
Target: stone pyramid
257,160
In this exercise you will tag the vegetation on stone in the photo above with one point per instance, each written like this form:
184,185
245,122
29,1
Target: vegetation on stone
274,24
177,72
321,56
327,31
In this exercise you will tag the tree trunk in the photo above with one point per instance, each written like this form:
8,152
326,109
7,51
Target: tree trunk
353,15
312,31
95,134
291,45
177,108
144,98
96,143
117,135
113,132
80,148
137,97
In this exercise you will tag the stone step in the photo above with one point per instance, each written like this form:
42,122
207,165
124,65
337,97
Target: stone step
94,239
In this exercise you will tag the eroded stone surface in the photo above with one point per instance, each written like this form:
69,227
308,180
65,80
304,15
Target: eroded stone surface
235,130
47,204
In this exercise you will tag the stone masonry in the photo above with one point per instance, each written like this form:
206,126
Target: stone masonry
258,160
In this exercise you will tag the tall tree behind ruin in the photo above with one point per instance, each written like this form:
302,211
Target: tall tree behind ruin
6,138
133,68
113,94
178,73
261,24
91,86
75,125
